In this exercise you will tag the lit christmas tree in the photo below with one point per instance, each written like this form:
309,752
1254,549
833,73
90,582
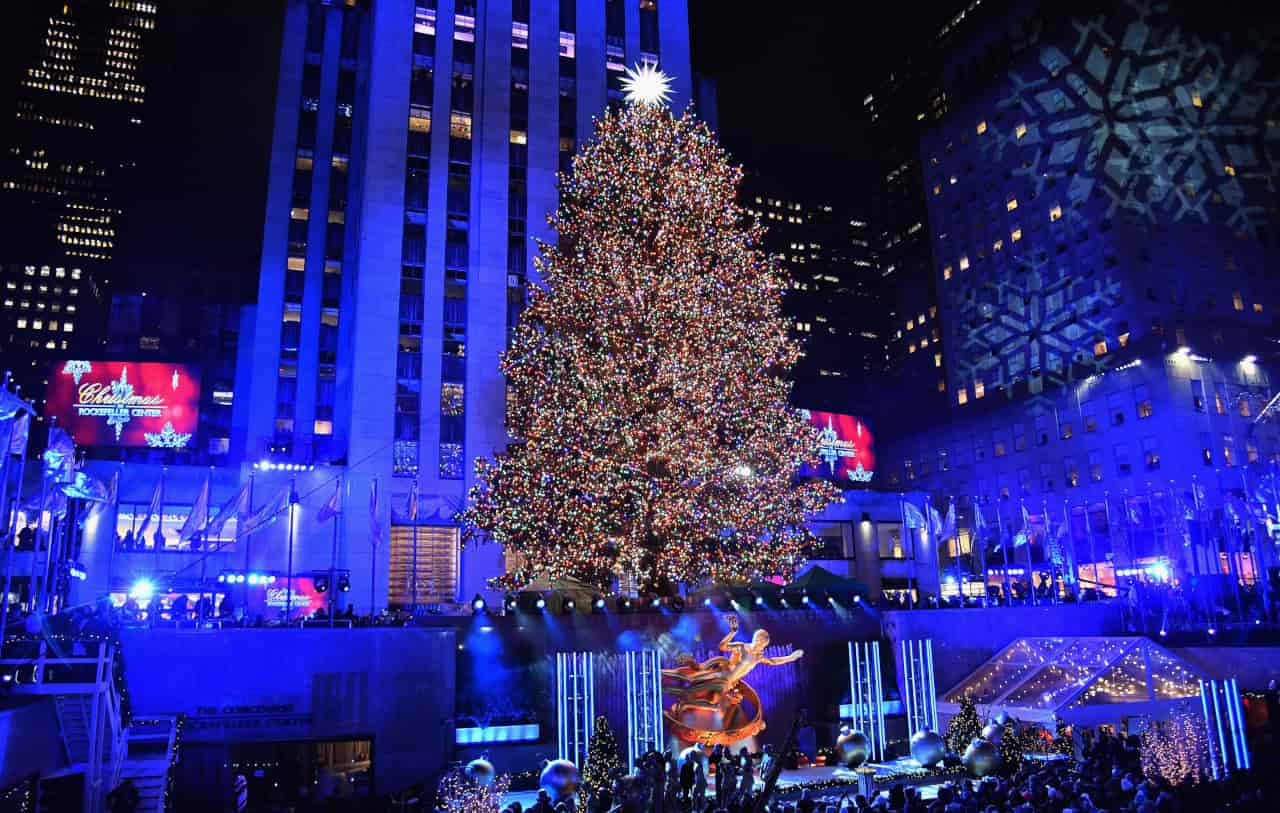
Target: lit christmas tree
962,728
1063,739
1176,750
602,758
647,404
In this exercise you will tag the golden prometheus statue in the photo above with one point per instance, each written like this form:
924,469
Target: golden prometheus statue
712,697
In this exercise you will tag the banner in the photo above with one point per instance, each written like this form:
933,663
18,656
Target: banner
846,448
115,403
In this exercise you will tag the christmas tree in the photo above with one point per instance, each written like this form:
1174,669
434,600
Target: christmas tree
602,758
1063,740
647,400
962,728
1176,750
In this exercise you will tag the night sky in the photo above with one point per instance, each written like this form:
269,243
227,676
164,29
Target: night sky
790,85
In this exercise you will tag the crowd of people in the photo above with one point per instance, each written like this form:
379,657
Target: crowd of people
1106,777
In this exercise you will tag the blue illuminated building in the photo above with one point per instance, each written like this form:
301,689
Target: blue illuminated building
1102,220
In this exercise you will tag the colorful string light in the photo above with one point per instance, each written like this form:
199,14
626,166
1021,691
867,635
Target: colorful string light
651,437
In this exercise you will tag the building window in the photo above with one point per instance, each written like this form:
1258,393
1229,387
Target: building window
1015,235
964,263
1020,130
1095,467
1055,213
1237,301
1000,447
1066,430
1250,451
424,565
1228,451
1011,204
1243,405
962,395
937,362
1220,398
1115,406
1143,396
1197,394
1088,417
946,272
1206,449
1072,472
1150,454
1019,437
982,127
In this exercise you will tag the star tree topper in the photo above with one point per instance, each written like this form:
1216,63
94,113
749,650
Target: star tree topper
646,85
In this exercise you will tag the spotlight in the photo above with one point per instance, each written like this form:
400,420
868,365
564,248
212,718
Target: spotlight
344,583
478,604
270,579
677,604
1249,359
569,606
831,600
1213,631
784,601
541,603
706,602
510,604
757,600
806,600
322,583
857,599
222,577
655,602
142,590
1163,633
625,603
598,604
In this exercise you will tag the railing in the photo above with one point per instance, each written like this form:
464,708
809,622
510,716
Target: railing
87,671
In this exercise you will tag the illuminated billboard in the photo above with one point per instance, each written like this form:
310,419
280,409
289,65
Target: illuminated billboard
125,403
846,448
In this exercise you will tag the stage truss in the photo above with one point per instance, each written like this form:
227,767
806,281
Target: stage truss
920,690
866,694
575,704
644,704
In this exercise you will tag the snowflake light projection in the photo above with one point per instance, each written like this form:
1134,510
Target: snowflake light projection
77,369
1155,118
121,392
167,438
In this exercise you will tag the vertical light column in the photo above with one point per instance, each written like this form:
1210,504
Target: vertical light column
644,704
867,694
1225,725
921,698
575,704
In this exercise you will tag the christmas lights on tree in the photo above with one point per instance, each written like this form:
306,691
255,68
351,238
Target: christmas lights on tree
602,758
459,793
962,728
1063,738
1176,750
647,401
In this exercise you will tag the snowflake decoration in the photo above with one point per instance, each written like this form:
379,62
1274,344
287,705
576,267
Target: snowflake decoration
168,438
76,369
175,380
646,85
121,392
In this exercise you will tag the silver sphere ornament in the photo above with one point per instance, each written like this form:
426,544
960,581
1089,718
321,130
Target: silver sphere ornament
559,779
853,748
480,771
981,757
991,732
927,748
695,753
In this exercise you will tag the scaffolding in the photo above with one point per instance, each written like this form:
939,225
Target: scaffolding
920,690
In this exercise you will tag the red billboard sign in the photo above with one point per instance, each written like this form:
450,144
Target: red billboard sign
846,448
124,403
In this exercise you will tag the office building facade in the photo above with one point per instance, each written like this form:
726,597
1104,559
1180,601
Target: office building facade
414,161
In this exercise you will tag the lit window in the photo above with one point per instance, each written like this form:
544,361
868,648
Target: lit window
1196,100
1015,235
946,272
296,264
979,388
75,274
964,263
1012,204
337,216
937,189
37,324
1055,214
1237,301
962,396
1020,130
997,245
953,179
937,359
911,325
324,427
299,213
1100,347
942,385
60,273
66,327
982,127
1257,307
911,348
22,323
1230,170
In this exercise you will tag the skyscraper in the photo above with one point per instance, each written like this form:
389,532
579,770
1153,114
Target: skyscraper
77,102
414,162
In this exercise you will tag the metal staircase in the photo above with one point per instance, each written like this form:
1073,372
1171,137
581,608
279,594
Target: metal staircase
100,750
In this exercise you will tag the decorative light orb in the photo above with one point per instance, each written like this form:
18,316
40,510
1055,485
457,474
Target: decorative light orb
646,85
927,748
853,748
991,732
559,779
981,757
480,771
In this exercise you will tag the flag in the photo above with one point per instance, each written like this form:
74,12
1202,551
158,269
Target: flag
199,516
979,521
237,506
413,502
267,514
332,506
1026,520
59,454
912,515
1132,510
84,486
949,523
375,526
113,494
153,509
21,430
935,520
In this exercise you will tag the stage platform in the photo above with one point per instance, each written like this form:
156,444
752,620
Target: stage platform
792,783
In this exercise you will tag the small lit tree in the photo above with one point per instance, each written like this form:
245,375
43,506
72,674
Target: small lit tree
1063,739
602,758
962,728
1176,750
458,793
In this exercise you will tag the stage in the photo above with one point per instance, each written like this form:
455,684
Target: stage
791,783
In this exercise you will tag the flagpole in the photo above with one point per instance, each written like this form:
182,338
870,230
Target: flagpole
288,592
41,537
902,511
955,540
333,561
248,539
1031,568
12,524
981,546
1071,556
1259,553
373,558
1045,544
1004,550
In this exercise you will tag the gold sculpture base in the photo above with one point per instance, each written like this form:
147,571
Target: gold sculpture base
712,727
